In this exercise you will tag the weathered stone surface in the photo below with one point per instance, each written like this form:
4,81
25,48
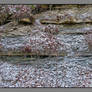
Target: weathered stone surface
71,15
88,38
51,29
27,20
36,42
3,17
41,42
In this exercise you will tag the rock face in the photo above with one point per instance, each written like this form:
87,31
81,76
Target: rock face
51,29
72,69
27,19
39,8
15,12
43,43
71,15
37,42
3,17
42,40
88,38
